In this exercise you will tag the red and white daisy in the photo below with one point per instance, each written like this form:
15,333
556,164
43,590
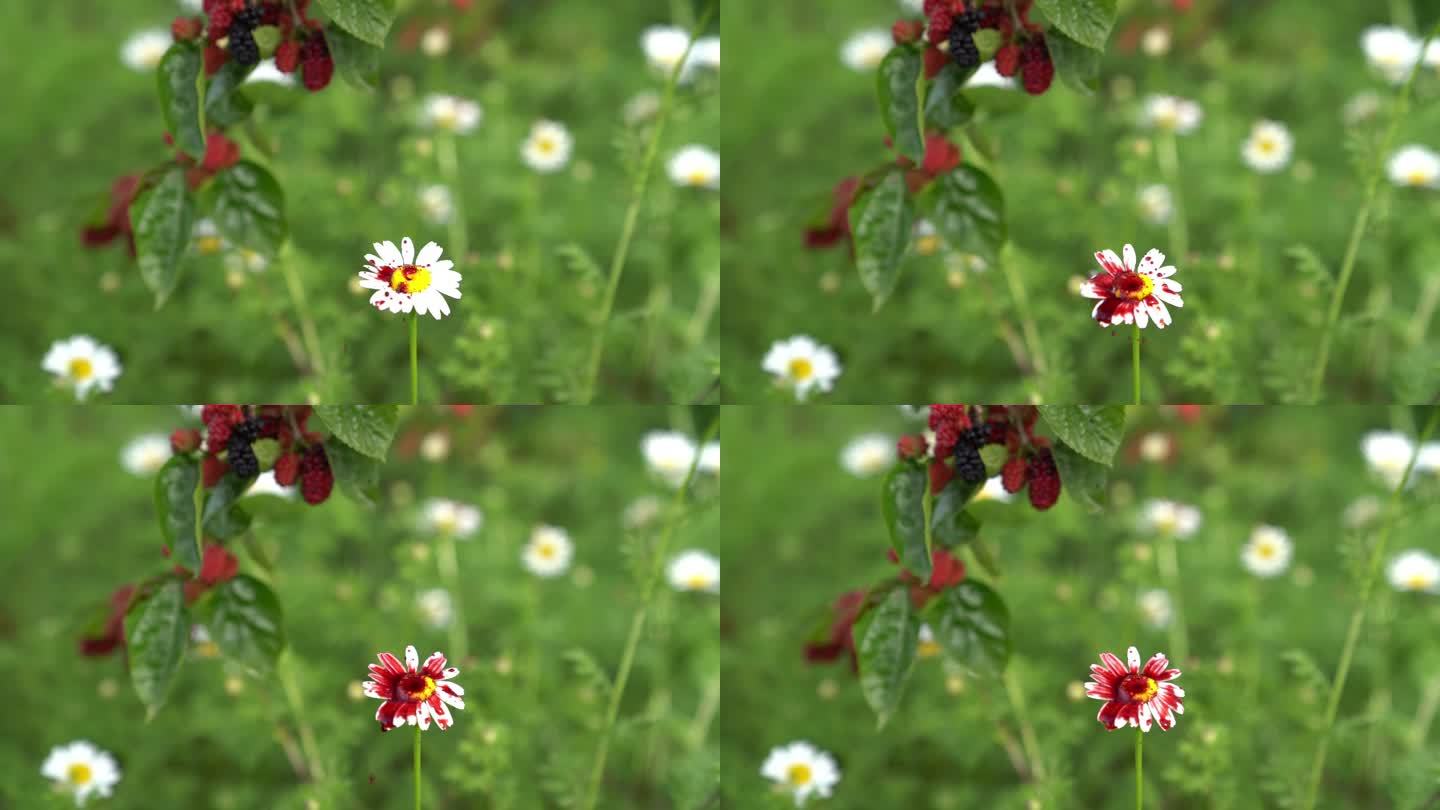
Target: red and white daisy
1134,696
1130,294
412,693
404,282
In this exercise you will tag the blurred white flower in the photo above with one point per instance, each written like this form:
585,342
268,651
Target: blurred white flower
1414,570
914,411
695,166
802,770
192,5
868,454
145,455
549,551
1415,166
641,107
913,6
436,607
443,516
1388,454
82,363
451,114
1156,446
266,484
246,260
435,446
864,50
144,49
205,237
641,512
694,570
1268,552
1428,460
802,364
1156,608
994,490
1362,512
1391,51
1361,106
435,41
1156,204
1268,148
1172,114
706,53
1169,517
267,71
81,769
924,239
926,645
548,147
987,76
664,47
669,454
436,204
710,458
1155,41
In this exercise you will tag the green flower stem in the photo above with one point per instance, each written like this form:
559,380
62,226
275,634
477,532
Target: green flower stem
1424,310
1168,153
1135,360
197,498
632,215
1028,740
532,621
1139,770
1362,219
1425,715
449,158
448,561
1169,564
637,623
285,671
316,354
1357,618
414,358
417,767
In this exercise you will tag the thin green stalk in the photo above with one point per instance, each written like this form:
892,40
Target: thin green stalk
448,561
1425,714
532,621
1139,770
414,358
1357,618
1028,740
1362,219
632,214
637,623
417,767
197,499
449,158
1424,310
1169,564
284,669
1135,360
1168,153
316,354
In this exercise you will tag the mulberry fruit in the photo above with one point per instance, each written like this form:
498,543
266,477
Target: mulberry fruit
241,457
316,479
287,56
968,465
287,469
184,440
1044,480
1037,71
1007,60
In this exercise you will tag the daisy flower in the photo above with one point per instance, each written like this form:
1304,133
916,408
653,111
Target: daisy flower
414,694
1156,204
1414,570
1134,696
83,363
436,204
548,147
442,516
1130,294
435,41
694,570
404,282
1414,166
82,769
867,455
695,166
1169,517
1156,608
802,364
451,114
926,646
1156,447
924,239
1391,51
144,49
145,455
549,551
205,236
1268,148
664,47
710,459
864,50
801,770
1268,552
436,607
435,446
706,53
1172,114
669,455
1388,454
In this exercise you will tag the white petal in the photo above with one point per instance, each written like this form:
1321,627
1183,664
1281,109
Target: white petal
1089,290
429,254
1129,257
1152,261
1169,297
1132,655
412,658
1142,316
407,250
389,253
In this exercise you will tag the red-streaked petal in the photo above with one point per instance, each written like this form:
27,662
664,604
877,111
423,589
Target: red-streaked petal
1152,262
449,696
1156,665
1100,691
382,691
1109,261
1142,316
1107,714
412,657
443,718
385,715
1091,290
391,663
1113,664
422,715
1133,656
434,665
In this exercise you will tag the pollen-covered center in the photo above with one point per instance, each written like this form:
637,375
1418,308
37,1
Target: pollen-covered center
81,368
698,177
416,687
545,145
546,551
1418,582
798,774
1417,177
407,279
801,368
79,774
1134,286
1139,688
1265,550
697,581
1267,145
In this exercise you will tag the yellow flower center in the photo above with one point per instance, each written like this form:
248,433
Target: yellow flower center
545,145
1167,119
447,118
418,687
928,649
79,774
410,279
799,774
1148,691
927,245
1136,286
698,177
1266,145
1417,582
546,551
446,523
1265,551
81,368
1417,177
698,582
801,368
208,245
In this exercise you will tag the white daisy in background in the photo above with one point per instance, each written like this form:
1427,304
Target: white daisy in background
436,606
82,769
1169,517
710,459
1268,148
1156,608
1431,58
1388,454
192,5
1361,512
694,570
451,114
144,49
801,770
1156,204
868,454
436,204
641,107
1268,552
641,512
1391,51
246,260
987,76
444,516
1155,41
802,364
268,72
1360,107
864,50
1156,446
1428,460
435,41
82,363
1414,166
548,147
695,166
926,646
668,454
913,6
145,455
404,282
435,446
1172,114
914,411
924,239
706,53
1414,570
664,47
265,484
206,238
994,490
549,551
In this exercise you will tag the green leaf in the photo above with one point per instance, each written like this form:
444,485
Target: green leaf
888,637
1094,431
881,221
175,507
250,208
1080,478
179,80
1076,65
156,631
902,502
163,216
968,211
950,524
1088,22
224,518
357,61
945,107
974,627
223,105
357,475
900,102
367,19
245,622
367,428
